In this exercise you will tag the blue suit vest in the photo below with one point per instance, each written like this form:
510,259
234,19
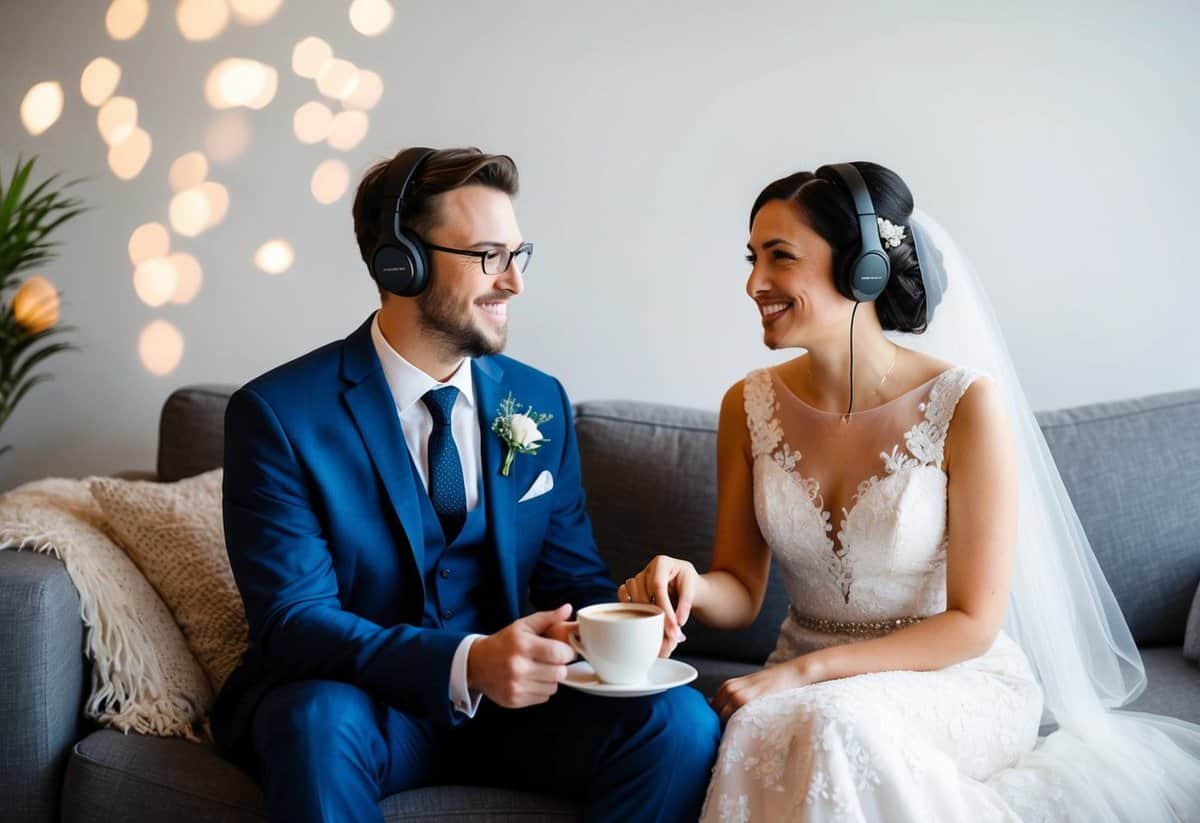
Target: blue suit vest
461,590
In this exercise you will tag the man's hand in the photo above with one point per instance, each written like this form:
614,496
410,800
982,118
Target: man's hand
522,664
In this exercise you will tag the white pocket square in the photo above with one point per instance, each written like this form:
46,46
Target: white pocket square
543,484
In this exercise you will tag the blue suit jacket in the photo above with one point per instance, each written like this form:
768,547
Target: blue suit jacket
324,533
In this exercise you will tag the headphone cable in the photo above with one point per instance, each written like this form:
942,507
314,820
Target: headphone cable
846,418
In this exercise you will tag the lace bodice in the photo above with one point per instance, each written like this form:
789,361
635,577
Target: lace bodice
883,555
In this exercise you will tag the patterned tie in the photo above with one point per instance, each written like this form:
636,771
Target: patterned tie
446,489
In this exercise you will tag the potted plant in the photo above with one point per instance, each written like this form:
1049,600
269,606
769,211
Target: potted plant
29,328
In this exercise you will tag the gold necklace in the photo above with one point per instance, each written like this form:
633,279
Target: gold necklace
888,373
882,380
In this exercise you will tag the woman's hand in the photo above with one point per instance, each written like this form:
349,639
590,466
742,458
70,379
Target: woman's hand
664,581
739,691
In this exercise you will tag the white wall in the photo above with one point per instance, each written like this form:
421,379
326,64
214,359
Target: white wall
1057,143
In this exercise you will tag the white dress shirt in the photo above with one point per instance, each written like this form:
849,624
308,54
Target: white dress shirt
409,384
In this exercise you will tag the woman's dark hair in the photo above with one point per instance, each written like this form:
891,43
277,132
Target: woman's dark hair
825,204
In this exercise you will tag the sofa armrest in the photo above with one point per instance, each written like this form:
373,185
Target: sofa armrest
1191,636
41,682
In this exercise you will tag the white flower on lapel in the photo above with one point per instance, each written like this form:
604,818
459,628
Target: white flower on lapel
518,430
524,431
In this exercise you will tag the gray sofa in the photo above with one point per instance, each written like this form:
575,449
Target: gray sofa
1132,468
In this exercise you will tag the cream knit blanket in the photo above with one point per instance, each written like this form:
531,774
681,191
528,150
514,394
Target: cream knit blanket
144,678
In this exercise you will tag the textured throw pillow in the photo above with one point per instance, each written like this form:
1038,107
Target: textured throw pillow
173,533
144,678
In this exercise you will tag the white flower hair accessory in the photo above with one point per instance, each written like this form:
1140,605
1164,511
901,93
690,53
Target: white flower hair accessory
891,234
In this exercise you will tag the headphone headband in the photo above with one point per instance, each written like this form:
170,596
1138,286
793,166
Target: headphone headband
867,275
864,207
858,187
408,162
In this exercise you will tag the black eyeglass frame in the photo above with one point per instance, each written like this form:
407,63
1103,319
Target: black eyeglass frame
483,255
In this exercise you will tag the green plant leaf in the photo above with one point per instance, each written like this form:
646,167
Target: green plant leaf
8,406
32,360
30,218
9,204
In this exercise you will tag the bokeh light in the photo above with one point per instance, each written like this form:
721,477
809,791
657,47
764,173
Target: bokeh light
274,256
188,277
189,212
337,79
200,20
148,240
236,81
348,129
227,136
125,18
367,93
154,281
329,181
312,122
218,202
117,119
188,171
254,12
35,305
127,159
42,106
160,347
99,81
309,55
270,86
371,17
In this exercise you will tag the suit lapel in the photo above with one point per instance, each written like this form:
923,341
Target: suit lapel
499,492
373,408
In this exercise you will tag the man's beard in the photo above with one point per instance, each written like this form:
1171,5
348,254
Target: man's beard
440,316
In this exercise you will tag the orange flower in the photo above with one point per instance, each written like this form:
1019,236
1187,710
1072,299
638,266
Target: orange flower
35,305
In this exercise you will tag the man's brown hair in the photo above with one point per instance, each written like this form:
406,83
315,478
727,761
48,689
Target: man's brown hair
440,172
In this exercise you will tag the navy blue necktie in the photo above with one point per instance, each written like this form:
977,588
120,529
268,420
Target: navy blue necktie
447,491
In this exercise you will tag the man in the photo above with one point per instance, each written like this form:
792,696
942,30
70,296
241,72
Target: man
389,548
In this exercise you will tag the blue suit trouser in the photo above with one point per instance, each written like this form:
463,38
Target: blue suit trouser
327,751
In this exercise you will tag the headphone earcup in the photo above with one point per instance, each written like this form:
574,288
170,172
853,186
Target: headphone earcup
863,277
843,274
869,276
401,267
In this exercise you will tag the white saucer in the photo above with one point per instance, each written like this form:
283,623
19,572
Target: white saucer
664,674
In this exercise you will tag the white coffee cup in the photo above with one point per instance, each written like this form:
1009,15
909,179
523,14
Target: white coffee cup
620,640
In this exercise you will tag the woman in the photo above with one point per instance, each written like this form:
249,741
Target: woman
944,600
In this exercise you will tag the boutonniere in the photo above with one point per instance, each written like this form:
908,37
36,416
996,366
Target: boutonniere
518,430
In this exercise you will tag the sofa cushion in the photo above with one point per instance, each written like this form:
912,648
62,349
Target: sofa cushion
651,481
174,533
1172,684
191,431
1132,469
135,778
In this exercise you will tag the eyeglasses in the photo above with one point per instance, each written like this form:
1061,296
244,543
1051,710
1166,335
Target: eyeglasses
494,261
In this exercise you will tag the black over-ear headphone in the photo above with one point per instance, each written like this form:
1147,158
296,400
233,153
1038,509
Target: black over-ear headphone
400,262
865,278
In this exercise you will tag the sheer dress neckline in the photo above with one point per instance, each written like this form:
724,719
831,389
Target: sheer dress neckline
795,398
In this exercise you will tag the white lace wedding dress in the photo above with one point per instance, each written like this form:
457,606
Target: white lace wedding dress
887,746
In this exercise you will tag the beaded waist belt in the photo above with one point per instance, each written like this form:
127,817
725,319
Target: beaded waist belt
820,624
